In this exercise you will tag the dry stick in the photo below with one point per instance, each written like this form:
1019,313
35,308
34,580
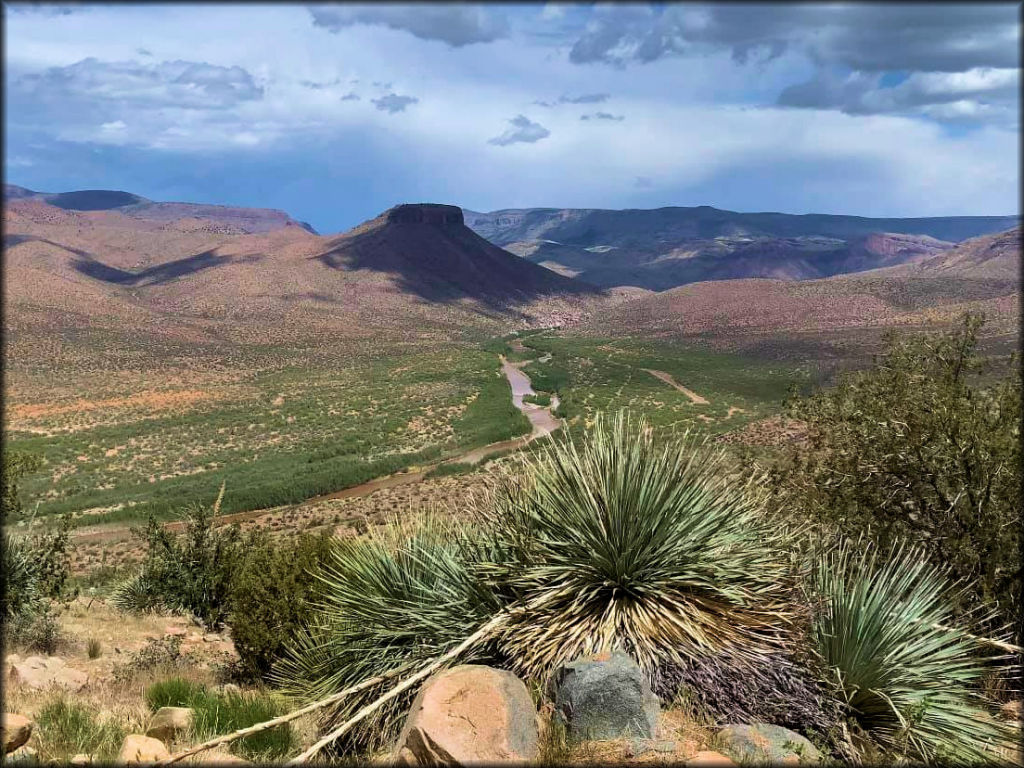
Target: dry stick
279,720
486,629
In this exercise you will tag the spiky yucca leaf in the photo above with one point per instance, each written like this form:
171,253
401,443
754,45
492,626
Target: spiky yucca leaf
397,598
909,679
620,542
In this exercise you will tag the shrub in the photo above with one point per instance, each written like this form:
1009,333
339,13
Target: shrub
910,679
394,599
162,654
190,575
449,469
38,630
619,541
543,399
920,448
66,728
271,597
93,648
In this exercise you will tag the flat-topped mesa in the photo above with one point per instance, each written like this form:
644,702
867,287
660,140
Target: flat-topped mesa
425,213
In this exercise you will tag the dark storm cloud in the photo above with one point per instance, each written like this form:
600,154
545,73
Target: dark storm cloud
455,25
867,37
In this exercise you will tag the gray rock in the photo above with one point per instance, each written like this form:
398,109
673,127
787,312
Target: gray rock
170,722
764,743
604,697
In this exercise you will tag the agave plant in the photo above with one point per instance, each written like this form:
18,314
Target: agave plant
395,599
909,678
621,542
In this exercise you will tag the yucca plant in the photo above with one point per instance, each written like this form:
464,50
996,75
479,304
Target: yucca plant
621,542
909,678
395,599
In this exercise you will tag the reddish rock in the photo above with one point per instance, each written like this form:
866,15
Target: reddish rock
138,749
17,730
468,715
46,672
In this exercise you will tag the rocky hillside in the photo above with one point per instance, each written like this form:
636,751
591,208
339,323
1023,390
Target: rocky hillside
667,247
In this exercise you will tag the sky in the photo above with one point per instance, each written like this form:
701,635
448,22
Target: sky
335,113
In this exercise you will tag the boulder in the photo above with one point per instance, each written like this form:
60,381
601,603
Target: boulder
470,714
41,672
169,722
761,742
138,749
710,759
604,697
17,730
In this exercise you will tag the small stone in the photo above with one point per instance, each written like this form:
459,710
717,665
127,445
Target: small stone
169,722
767,743
21,755
81,759
17,730
711,759
138,749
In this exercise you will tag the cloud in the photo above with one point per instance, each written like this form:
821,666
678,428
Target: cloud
523,130
320,86
393,103
587,98
455,25
179,84
350,97
867,36
981,94
643,182
603,116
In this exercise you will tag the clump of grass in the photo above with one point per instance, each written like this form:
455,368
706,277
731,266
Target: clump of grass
67,728
172,692
219,713
543,399
909,678
93,648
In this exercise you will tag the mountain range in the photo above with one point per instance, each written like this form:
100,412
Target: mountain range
115,260
666,247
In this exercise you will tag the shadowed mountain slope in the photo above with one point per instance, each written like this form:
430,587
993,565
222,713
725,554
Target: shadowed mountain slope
667,247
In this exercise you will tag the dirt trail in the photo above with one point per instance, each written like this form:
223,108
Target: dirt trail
667,378
541,418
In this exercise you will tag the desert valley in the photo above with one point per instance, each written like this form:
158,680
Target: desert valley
460,384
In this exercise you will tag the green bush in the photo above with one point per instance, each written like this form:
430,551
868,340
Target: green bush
191,574
272,594
451,468
542,399
923,447
909,676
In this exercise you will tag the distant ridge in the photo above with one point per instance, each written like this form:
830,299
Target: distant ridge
663,248
243,220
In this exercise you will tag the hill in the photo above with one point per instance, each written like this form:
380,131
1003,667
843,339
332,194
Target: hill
981,274
229,219
666,247
415,267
